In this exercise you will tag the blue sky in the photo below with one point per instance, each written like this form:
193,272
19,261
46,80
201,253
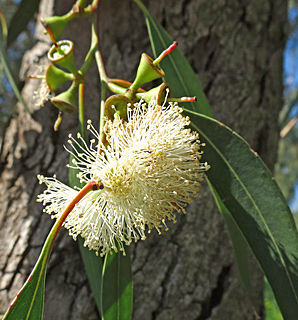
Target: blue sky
291,80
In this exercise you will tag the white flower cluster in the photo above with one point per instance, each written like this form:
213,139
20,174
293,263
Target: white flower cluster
42,94
150,169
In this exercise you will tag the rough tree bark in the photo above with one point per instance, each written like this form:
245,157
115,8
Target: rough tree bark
236,48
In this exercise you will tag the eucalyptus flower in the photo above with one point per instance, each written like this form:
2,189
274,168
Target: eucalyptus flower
150,169
42,94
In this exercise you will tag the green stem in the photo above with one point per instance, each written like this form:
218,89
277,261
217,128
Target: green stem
94,5
87,12
82,127
116,88
103,97
91,185
91,53
104,86
100,65
104,77
81,3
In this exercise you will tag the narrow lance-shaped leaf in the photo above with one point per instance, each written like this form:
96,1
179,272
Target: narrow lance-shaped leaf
240,245
183,82
257,205
21,18
5,64
117,287
29,302
250,195
93,266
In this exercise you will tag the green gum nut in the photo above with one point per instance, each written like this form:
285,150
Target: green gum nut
61,54
157,94
117,104
66,101
55,77
55,26
146,72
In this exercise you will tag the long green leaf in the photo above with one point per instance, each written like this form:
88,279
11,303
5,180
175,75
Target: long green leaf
5,64
29,302
22,16
117,290
179,74
246,190
93,266
240,245
4,30
257,205
184,82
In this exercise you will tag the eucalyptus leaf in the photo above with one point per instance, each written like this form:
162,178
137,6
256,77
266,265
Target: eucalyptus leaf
244,187
7,69
93,266
183,81
117,289
253,198
240,246
18,23
29,302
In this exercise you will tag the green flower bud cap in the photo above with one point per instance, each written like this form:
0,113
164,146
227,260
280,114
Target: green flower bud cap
61,53
55,77
157,94
66,101
149,70
55,26
116,106
146,72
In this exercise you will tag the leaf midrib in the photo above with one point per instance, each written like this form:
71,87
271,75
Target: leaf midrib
252,201
118,283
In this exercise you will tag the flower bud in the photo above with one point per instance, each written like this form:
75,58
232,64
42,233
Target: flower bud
158,94
61,53
146,72
55,26
58,121
117,104
55,77
66,101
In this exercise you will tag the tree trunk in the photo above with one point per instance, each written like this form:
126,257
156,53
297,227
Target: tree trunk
236,48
